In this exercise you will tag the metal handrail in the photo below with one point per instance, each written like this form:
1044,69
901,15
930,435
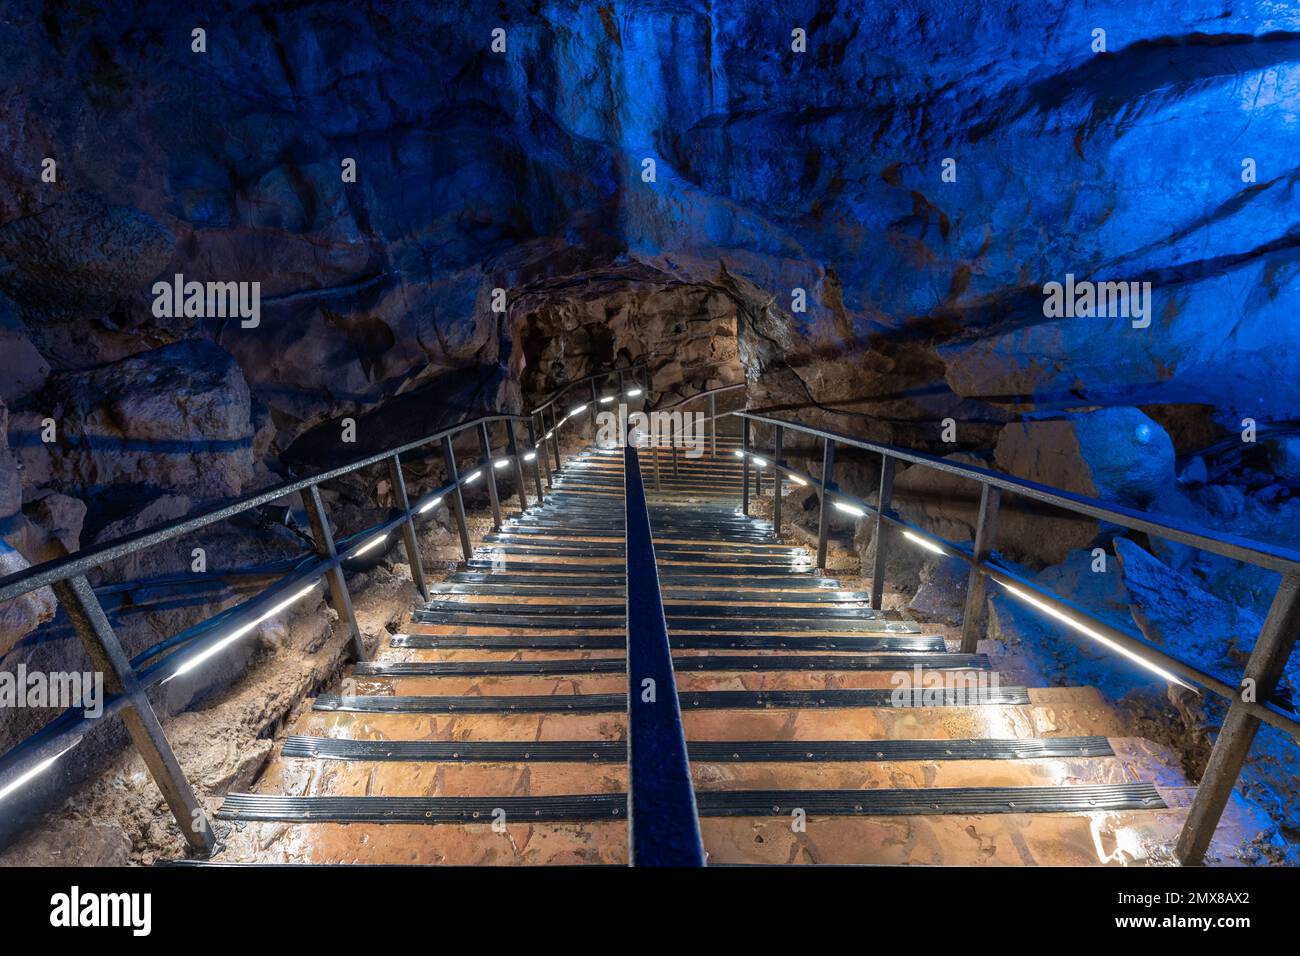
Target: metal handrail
128,685
616,373
1250,699
1166,526
81,562
663,821
708,392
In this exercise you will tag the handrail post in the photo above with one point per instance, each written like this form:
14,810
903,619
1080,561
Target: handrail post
713,424
108,657
655,444
672,425
409,539
591,408
323,538
555,438
539,461
543,459
777,464
1263,670
744,466
823,519
512,446
457,499
489,473
986,530
884,499
663,821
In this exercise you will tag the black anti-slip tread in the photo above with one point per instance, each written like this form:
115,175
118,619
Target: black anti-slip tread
692,700
930,800
711,803
678,555
897,643
794,581
759,623
723,751
702,533
692,546
696,595
679,611
738,662
587,807
756,571
485,751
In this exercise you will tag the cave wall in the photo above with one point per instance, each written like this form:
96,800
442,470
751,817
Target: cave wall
798,232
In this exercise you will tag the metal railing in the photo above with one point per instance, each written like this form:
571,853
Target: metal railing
1250,699
127,681
663,825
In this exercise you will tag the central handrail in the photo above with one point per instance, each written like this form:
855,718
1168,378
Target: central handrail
663,821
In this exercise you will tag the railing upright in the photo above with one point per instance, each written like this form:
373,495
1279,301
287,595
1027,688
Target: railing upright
410,541
489,470
554,432
323,538
744,467
713,424
779,481
986,530
457,498
823,516
539,462
884,500
512,449
109,658
1263,670
663,822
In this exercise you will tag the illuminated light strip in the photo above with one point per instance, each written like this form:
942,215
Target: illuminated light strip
797,480
530,456
851,509
633,393
236,634
1099,638
577,411
761,462
429,504
928,545
739,453
548,435
474,477
607,399
500,462
36,771
371,544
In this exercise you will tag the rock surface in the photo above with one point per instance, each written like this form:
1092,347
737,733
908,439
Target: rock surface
798,233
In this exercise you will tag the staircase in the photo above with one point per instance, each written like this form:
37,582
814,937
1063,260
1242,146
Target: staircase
493,730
